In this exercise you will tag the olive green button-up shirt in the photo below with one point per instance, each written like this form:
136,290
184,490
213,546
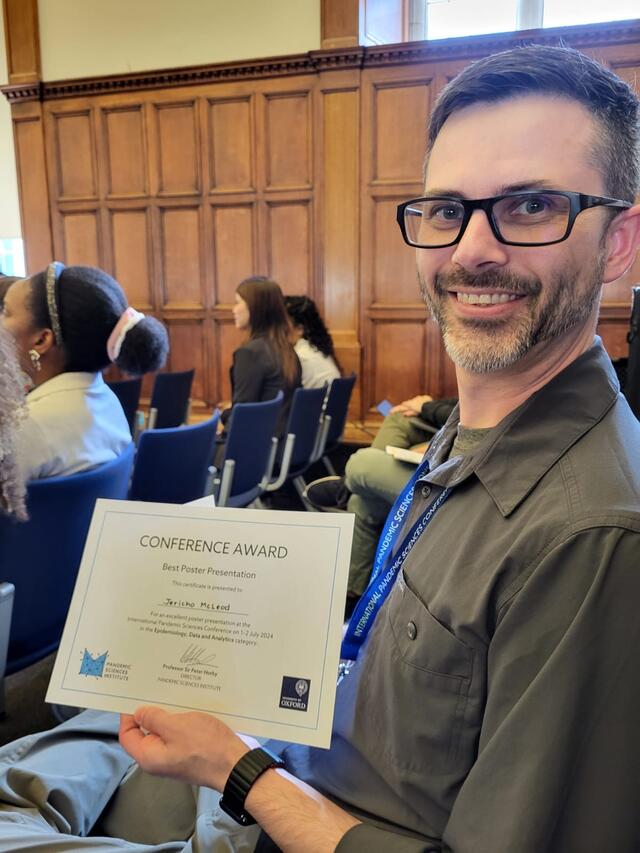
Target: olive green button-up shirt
495,706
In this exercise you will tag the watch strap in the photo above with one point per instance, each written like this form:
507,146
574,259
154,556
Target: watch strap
249,768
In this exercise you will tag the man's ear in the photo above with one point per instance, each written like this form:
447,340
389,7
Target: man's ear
622,243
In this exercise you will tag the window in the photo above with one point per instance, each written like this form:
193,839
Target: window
564,13
451,18
12,257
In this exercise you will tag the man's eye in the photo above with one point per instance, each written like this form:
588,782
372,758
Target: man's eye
531,206
446,212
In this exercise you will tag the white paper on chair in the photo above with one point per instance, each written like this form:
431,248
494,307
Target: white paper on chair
236,612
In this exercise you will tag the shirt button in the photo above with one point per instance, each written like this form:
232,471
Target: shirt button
412,631
426,491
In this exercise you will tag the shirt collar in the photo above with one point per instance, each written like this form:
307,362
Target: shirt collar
519,451
66,382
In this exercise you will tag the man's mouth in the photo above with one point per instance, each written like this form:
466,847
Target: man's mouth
485,298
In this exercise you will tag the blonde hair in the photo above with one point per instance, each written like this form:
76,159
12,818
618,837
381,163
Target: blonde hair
12,408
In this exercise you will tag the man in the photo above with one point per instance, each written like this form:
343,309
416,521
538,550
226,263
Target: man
493,706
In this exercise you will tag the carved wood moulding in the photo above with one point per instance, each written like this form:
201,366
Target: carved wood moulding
313,62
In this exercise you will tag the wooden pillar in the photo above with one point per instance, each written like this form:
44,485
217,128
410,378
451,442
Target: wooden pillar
23,64
340,23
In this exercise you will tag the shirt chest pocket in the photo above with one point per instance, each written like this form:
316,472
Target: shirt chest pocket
427,673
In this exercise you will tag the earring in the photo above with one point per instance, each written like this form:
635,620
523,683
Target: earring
34,355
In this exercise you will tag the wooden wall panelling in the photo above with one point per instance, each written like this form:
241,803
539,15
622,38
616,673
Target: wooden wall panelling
395,109
125,151
340,22
133,251
232,243
22,39
227,339
290,244
188,349
398,359
181,257
74,153
232,143
36,206
337,143
176,142
81,237
288,140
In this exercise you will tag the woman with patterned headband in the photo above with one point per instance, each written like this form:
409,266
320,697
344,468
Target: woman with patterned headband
69,323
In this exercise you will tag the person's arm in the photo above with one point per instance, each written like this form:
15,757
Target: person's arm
436,412
410,408
200,749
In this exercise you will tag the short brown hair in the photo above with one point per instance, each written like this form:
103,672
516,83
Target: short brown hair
561,72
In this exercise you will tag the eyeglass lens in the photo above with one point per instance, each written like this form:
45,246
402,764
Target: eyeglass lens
526,218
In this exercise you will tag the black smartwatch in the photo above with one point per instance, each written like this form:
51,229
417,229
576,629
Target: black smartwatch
244,774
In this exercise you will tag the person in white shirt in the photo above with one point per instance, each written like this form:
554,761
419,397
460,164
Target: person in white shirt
69,323
313,344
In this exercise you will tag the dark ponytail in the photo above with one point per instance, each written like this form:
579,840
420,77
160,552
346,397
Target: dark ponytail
90,302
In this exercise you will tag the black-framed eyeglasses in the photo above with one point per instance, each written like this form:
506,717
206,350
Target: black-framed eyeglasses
518,219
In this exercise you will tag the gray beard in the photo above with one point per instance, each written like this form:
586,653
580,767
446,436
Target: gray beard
481,346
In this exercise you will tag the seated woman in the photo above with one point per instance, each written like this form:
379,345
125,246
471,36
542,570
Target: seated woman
313,344
267,362
12,490
68,324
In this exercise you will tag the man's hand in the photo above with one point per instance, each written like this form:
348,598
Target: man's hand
193,747
411,408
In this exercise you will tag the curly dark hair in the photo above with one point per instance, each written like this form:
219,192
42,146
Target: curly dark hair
304,313
90,303
12,487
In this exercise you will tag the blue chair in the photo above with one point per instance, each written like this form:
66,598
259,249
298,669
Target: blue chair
40,557
128,392
172,465
335,411
300,449
249,452
170,399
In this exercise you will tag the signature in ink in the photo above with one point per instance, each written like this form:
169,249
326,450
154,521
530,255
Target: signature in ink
195,656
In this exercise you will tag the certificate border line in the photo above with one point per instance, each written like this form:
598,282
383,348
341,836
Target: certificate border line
302,526
311,728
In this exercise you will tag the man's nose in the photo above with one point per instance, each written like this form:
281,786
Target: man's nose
478,248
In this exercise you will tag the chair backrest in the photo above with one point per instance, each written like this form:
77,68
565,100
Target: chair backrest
632,384
128,392
172,464
337,406
170,398
250,430
304,423
41,557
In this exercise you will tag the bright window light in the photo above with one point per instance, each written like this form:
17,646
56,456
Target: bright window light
452,18
12,257
565,13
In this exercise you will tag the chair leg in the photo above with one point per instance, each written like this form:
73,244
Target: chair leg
329,466
300,487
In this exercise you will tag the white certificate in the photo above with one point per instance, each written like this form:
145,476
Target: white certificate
233,611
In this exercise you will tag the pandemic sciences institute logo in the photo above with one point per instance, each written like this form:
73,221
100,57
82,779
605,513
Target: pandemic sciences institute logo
295,693
93,664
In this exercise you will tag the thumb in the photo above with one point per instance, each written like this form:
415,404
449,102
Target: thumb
150,718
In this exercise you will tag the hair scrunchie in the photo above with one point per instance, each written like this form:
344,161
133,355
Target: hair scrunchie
128,319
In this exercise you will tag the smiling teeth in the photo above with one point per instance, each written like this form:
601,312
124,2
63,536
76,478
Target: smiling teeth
485,298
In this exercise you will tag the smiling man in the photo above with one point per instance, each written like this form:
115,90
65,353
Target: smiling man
492,696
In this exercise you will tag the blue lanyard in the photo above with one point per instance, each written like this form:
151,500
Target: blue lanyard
387,564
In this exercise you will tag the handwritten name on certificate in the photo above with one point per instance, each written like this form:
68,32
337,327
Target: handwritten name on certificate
236,612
